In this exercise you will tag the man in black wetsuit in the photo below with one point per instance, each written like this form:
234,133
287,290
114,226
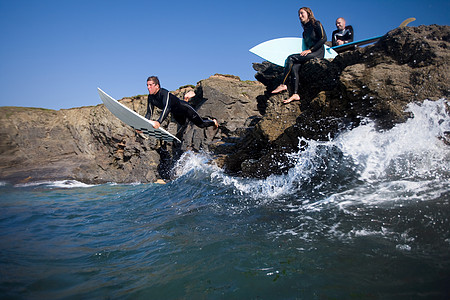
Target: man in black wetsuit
181,110
343,34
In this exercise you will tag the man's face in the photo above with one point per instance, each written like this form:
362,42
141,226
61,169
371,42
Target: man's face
152,87
340,24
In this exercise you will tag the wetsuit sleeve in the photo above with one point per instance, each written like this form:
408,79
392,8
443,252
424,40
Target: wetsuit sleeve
166,105
333,38
350,29
321,35
149,113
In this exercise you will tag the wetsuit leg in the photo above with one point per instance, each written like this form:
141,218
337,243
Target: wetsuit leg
184,111
296,71
179,118
288,64
295,61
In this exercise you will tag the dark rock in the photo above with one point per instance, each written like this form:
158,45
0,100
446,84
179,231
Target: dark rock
89,144
256,131
407,65
233,103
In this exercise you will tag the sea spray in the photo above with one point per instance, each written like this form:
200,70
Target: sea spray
191,162
411,149
63,184
344,222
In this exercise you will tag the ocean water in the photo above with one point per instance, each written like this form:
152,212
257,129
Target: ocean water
364,216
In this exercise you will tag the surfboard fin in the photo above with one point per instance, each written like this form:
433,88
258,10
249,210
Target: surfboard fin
406,22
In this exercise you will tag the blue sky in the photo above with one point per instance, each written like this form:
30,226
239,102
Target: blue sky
55,53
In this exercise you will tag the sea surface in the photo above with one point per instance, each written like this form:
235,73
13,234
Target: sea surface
364,216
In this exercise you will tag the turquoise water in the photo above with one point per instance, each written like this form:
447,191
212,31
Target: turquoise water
365,216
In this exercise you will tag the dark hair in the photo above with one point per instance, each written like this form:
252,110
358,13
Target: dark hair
154,79
310,14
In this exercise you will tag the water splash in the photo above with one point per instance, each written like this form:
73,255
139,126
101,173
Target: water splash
193,163
60,184
411,151
338,208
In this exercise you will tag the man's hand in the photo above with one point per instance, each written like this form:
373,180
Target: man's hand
155,124
189,95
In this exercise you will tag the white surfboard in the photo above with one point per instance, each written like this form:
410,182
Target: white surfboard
277,50
134,119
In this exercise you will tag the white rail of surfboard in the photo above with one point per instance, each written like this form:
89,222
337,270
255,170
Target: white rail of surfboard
134,119
277,50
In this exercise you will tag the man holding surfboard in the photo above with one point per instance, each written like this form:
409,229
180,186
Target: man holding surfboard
181,110
314,38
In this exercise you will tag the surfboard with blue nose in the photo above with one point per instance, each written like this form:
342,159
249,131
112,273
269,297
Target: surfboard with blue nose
277,50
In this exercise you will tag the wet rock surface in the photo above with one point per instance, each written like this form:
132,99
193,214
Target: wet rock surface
256,129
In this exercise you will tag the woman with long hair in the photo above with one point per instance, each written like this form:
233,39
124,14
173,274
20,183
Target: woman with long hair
314,37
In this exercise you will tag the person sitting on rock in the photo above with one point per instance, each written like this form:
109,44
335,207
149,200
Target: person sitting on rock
343,34
181,110
314,38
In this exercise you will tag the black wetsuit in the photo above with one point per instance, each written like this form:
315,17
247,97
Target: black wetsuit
314,37
180,110
345,35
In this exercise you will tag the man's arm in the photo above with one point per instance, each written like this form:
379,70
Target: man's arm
166,107
350,30
333,39
149,113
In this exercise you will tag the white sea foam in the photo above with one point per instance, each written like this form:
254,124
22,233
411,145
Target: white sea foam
65,184
276,186
192,162
410,149
390,159
408,158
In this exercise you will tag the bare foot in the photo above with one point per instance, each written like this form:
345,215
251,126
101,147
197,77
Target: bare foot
280,88
294,97
216,124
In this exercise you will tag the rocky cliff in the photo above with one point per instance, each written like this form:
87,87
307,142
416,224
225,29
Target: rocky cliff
407,65
90,145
